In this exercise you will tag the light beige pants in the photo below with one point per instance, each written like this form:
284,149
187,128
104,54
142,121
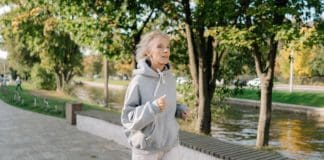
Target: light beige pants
161,155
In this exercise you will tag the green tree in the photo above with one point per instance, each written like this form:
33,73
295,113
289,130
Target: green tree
134,18
93,24
205,52
37,30
92,65
42,79
20,57
317,64
260,26
254,27
113,28
61,55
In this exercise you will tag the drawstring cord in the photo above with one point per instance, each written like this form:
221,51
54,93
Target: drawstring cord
161,80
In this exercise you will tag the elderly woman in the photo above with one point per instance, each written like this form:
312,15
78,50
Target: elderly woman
150,109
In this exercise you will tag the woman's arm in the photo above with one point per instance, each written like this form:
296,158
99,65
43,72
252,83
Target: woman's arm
136,115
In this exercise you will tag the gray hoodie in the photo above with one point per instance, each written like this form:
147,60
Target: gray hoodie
146,127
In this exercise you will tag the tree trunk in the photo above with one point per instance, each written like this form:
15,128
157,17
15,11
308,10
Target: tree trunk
106,83
204,74
204,113
59,82
192,51
265,72
266,92
193,66
265,114
200,60
68,76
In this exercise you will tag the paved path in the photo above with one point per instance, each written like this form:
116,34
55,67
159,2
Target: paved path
26,135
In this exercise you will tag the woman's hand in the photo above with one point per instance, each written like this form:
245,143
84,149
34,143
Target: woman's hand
161,103
185,115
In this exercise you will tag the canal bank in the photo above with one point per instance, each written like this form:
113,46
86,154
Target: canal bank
308,110
293,134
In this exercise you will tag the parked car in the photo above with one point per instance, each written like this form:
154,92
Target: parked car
219,82
238,82
96,76
125,77
181,80
254,82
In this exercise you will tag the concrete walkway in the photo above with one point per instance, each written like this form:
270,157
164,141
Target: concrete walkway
26,135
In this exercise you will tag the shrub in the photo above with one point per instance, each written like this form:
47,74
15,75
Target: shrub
42,79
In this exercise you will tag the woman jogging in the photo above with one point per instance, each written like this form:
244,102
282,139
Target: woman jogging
150,109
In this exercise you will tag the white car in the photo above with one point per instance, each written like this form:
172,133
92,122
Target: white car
181,80
254,82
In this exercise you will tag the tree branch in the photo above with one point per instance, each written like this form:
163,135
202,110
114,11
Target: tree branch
257,59
145,22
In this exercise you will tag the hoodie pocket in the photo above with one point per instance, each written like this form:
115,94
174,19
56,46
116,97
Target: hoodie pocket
137,140
142,139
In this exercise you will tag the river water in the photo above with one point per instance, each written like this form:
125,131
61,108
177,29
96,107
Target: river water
293,135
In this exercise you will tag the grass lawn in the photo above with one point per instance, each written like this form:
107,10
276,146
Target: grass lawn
315,99
47,102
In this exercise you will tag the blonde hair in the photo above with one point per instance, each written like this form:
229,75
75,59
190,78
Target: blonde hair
143,46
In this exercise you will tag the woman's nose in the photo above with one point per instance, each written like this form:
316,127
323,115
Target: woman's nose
166,50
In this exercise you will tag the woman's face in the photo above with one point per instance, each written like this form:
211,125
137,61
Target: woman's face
159,51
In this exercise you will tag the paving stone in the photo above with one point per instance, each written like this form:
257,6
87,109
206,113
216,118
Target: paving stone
26,135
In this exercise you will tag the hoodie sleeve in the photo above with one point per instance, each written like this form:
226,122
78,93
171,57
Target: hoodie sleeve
136,115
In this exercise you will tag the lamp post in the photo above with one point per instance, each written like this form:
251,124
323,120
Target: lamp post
106,102
291,78
4,68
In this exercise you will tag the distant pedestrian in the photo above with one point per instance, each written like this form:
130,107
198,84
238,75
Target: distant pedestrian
4,81
18,84
150,109
1,80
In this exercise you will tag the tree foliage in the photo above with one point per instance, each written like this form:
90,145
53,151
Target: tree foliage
42,78
306,55
35,28
92,65
20,57
317,65
259,26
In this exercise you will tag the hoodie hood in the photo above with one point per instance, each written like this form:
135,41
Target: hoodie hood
145,69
